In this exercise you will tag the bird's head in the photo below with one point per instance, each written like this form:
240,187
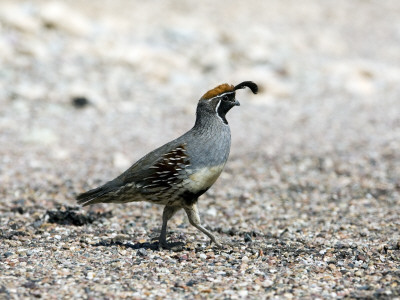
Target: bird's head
222,98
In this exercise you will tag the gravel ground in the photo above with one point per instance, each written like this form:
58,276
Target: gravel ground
308,206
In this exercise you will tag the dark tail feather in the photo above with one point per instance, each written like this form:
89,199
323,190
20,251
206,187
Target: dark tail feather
92,196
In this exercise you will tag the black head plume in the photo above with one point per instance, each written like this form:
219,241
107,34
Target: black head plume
250,84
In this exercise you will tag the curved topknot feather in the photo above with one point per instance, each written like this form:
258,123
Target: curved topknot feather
222,88
250,84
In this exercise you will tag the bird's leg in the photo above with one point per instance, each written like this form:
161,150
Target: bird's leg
194,219
168,212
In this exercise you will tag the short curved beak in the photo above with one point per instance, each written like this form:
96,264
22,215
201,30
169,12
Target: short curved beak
237,103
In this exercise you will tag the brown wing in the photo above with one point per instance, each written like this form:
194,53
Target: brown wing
154,177
165,174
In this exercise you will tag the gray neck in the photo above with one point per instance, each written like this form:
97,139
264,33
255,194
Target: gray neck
209,121
215,139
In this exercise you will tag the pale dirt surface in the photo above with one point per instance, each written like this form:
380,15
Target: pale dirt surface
309,200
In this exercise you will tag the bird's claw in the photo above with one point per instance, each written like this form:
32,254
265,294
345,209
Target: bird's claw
175,246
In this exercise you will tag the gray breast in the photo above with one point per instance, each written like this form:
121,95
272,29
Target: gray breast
210,147
208,155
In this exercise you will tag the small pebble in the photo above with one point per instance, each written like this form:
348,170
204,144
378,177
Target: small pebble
90,275
247,238
141,252
203,256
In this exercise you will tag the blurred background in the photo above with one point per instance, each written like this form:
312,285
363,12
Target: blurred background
329,76
87,88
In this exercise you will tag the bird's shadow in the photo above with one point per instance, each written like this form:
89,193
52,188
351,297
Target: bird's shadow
146,245
177,246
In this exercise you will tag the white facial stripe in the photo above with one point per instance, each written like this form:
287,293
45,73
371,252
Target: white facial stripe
216,108
220,95
216,111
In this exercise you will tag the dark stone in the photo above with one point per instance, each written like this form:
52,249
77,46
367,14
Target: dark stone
340,246
191,283
15,233
80,102
364,288
29,285
7,254
247,238
14,226
232,231
3,290
19,210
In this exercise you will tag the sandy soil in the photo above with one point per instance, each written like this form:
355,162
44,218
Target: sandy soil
308,205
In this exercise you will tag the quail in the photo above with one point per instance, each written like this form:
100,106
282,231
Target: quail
179,172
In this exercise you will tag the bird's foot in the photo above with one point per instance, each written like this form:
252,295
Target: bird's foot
218,244
174,246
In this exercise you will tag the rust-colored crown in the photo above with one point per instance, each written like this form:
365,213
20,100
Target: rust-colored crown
222,88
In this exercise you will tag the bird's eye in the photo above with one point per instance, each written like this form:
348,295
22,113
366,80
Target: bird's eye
225,98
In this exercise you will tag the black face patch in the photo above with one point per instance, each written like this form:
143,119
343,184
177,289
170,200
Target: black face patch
228,97
224,104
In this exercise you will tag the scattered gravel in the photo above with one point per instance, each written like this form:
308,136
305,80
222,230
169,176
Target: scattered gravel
308,206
